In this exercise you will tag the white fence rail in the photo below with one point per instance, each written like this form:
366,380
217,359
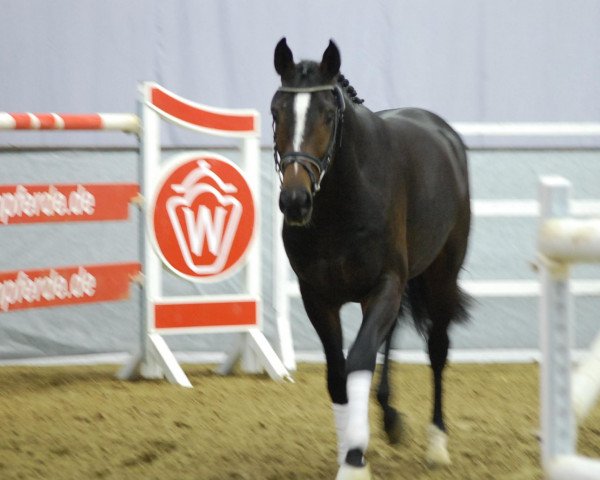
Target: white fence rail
529,129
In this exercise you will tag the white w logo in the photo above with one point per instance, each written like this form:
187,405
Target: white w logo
205,226
214,230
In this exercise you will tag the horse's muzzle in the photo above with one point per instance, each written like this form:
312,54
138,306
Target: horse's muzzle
296,205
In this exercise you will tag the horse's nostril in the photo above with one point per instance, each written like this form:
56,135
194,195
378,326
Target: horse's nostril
298,198
295,203
284,200
304,199
281,202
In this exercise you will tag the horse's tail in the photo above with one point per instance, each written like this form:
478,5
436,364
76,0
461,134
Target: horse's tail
452,306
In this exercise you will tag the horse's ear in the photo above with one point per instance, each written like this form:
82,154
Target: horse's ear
284,59
331,62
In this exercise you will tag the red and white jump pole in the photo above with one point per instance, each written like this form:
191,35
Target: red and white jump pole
64,203
561,242
125,122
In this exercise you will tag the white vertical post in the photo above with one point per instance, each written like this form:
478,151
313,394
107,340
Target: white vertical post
145,363
558,421
281,294
586,382
155,359
251,162
151,153
253,348
251,159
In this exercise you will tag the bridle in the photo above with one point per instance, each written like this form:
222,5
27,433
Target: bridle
306,160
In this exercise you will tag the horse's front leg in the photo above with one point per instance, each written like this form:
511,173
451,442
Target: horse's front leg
380,312
326,321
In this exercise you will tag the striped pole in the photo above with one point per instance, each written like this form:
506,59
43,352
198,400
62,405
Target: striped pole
126,122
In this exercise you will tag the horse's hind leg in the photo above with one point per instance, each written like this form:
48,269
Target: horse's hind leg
437,344
392,420
438,293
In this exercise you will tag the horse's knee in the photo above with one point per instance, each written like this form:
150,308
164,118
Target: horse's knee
360,359
363,354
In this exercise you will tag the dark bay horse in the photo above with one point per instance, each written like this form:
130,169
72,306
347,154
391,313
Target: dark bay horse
377,211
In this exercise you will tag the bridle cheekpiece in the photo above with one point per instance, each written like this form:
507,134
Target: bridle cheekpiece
306,160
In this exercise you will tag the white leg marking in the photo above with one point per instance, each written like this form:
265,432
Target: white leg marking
358,386
340,415
301,104
348,472
437,450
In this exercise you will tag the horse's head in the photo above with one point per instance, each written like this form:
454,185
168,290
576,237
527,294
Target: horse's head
307,121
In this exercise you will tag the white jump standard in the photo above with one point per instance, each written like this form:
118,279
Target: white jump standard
189,314
562,241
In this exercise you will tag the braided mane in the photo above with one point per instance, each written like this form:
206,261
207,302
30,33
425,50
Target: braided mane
345,83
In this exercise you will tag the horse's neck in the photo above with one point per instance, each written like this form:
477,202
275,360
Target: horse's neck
344,185
354,151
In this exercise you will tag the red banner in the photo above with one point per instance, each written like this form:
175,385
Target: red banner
60,286
201,115
65,203
206,314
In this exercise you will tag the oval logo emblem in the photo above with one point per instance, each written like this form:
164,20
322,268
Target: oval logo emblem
202,216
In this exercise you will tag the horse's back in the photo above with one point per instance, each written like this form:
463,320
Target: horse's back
436,185
431,146
411,121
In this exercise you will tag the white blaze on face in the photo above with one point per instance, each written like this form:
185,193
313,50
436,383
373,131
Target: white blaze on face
301,105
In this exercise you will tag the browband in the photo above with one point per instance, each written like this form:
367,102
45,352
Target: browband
317,88
336,89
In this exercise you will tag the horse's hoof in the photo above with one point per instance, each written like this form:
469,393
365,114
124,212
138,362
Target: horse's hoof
394,426
348,472
437,450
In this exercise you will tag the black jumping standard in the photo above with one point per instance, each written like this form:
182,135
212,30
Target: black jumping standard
377,211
